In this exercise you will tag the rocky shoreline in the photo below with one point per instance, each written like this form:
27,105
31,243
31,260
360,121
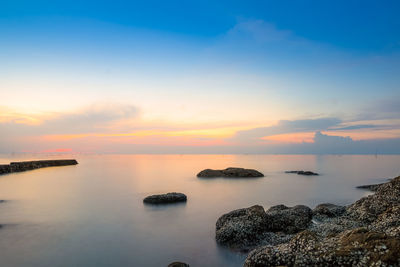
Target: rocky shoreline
32,165
365,233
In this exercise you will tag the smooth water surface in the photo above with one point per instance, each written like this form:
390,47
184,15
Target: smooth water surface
92,214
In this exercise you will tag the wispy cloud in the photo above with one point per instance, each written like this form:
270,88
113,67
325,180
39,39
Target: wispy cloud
258,30
94,118
287,126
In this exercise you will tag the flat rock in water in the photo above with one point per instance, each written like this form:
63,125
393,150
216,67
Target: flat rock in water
178,264
230,172
308,173
165,198
371,187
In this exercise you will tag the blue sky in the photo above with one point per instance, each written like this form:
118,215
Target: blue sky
197,73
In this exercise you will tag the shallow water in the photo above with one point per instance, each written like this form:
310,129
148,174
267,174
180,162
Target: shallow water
92,214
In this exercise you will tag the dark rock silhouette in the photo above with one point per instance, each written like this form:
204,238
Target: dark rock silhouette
165,198
178,264
31,165
308,173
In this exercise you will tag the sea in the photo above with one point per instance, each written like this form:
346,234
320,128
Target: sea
92,214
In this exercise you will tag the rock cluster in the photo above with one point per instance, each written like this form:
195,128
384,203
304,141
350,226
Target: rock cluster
357,247
230,172
31,165
246,228
165,198
365,233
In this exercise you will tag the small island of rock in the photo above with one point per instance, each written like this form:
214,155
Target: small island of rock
230,172
165,198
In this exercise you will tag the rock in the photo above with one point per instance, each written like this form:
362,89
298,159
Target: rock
371,187
366,233
230,172
388,222
289,220
5,169
242,228
178,264
367,209
328,210
357,247
249,227
303,172
31,165
165,198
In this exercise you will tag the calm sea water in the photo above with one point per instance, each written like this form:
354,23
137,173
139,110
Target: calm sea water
92,214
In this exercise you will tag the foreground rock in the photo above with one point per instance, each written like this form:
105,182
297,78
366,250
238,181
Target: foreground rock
165,198
289,220
368,208
230,172
365,233
31,165
357,247
303,172
246,228
242,228
178,264
328,210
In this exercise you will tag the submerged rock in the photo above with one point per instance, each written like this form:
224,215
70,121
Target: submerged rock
165,198
230,172
178,264
303,172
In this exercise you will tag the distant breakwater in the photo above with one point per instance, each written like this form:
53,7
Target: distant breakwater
36,164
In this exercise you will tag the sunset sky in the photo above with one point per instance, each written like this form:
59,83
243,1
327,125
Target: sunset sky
200,76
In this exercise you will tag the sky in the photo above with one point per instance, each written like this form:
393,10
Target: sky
200,76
